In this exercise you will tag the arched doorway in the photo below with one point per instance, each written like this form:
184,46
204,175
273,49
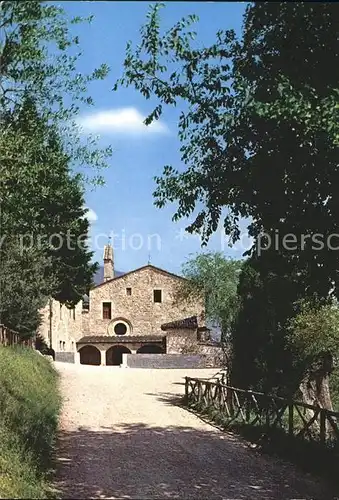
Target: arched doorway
90,355
114,354
150,349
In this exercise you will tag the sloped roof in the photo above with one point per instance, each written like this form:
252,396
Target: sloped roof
119,339
190,323
150,266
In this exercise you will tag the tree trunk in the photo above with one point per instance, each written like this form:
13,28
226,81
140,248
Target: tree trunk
315,384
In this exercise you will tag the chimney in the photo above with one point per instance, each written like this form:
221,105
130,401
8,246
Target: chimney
108,262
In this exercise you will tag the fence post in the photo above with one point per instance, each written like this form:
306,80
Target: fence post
186,391
199,392
247,409
290,420
218,394
208,393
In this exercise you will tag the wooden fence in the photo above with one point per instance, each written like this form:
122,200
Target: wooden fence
9,337
244,407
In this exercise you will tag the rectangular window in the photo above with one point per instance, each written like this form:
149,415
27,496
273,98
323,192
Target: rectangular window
107,310
73,313
128,291
157,296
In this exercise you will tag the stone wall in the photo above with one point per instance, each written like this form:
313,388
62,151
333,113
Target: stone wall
184,341
65,357
85,323
163,361
66,326
181,341
143,315
214,355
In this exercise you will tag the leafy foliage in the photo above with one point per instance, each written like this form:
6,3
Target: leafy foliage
261,359
314,339
259,126
259,136
215,278
283,343
314,331
43,161
39,63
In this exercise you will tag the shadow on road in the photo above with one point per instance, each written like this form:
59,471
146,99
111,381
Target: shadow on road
139,461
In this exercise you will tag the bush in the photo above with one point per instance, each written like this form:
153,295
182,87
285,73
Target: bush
29,410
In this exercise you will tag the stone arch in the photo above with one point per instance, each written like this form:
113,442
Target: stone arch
150,349
90,355
114,354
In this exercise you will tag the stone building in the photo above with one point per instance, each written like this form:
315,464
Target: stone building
132,313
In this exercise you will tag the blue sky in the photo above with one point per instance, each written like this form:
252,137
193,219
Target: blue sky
124,205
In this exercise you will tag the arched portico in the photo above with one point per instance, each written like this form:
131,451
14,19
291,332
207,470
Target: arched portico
114,354
150,349
111,348
90,355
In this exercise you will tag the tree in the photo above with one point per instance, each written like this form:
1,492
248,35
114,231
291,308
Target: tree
42,157
261,359
38,62
259,136
287,347
314,338
214,277
259,127
42,218
23,287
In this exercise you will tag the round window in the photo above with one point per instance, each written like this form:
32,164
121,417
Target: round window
120,329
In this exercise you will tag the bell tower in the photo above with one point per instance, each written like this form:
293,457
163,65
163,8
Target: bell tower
108,262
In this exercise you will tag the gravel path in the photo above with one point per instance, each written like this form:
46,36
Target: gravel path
122,436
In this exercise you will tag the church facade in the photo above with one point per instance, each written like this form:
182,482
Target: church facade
133,313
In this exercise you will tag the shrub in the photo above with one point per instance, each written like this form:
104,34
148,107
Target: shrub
29,409
314,339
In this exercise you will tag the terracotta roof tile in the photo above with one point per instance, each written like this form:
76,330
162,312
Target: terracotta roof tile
119,339
190,323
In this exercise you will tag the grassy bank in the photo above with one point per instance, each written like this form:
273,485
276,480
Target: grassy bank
29,409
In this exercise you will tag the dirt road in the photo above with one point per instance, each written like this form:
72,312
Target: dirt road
122,436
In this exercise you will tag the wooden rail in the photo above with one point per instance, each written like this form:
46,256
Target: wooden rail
9,337
239,406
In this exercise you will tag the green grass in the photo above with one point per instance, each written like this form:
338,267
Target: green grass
29,410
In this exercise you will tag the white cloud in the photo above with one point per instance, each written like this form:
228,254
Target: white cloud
91,216
121,120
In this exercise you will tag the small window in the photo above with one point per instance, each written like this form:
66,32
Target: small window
157,296
60,311
73,313
64,346
60,345
107,310
120,329
128,291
